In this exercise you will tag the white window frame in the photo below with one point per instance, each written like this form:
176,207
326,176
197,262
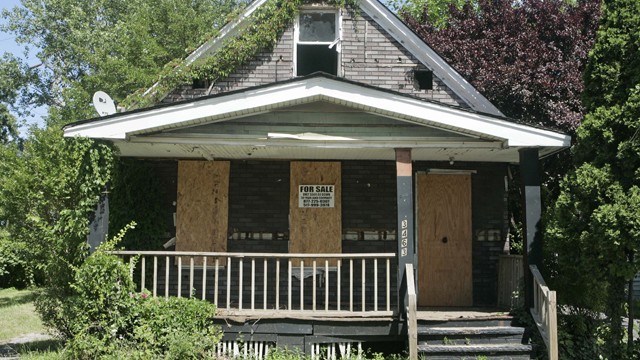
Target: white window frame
337,42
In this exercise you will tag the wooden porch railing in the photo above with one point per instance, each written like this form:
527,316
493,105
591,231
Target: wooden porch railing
411,315
544,312
273,283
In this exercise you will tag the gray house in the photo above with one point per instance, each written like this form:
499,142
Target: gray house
344,189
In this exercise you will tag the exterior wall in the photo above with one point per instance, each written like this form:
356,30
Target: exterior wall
259,200
369,56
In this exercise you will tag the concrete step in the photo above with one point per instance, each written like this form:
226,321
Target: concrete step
471,335
488,351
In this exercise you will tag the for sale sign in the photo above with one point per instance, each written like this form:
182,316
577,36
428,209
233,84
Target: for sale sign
316,196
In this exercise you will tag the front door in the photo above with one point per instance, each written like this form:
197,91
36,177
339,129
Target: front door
444,239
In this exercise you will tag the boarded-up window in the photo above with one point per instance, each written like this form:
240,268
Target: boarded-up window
315,230
202,209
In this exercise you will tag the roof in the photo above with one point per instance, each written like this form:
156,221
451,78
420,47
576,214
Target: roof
390,23
474,136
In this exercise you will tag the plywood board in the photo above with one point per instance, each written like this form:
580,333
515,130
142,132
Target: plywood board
202,206
444,240
315,230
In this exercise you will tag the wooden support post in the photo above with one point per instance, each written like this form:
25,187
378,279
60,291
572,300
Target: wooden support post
406,251
532,208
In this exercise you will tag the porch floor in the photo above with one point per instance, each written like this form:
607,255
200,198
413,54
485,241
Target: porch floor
423,314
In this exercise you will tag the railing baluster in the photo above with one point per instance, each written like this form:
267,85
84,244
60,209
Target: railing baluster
253,283
228,282
131,267
215,281
179,276
277,284
240,266
264,286
204,278
155,275
191,276
375,284
364,283
388,284
350,284
339,283
289,286
302,284
143,274
166,276
313,293
326,285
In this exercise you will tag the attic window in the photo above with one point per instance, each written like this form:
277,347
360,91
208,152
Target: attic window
423,79
317,42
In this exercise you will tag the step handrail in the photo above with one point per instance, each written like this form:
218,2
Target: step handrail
412,308
544,312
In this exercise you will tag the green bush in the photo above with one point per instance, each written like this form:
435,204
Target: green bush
104,317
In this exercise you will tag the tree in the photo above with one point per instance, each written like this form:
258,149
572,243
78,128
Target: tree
526,57
435,12
50,187
594,229
116,46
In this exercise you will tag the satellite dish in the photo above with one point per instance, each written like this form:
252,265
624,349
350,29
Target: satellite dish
103,103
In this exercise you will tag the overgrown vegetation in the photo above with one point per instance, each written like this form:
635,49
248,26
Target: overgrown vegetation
104,316
594,228
261,33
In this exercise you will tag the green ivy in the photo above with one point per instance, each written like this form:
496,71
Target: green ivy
265,26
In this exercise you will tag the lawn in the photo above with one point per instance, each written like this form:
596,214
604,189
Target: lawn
17,314
18,318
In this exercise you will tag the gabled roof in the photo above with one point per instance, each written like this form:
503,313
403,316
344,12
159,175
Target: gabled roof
390,23
481,136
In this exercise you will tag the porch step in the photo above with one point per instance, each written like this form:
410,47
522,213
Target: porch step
488,338
487,351
471,335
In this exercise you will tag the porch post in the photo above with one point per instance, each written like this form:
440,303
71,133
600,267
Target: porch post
532,209
404,199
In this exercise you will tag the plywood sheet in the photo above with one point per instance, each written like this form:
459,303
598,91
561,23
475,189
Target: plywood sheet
202,206
315,230
444,240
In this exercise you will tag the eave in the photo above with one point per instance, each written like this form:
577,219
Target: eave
487,137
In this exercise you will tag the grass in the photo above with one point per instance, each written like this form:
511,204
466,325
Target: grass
17,314
17,318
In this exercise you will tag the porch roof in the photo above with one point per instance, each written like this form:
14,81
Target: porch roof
193,129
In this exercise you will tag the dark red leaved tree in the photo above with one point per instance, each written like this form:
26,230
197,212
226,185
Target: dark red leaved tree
525,56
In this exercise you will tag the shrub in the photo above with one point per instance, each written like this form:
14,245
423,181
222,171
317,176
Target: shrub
104,317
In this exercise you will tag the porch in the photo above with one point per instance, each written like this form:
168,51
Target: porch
331,305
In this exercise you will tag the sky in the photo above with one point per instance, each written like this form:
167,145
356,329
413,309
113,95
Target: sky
8,44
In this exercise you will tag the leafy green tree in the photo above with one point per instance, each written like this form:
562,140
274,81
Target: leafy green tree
594,229
117,46
49,186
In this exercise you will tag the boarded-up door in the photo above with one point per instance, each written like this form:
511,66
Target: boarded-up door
315,230
444,240
202,206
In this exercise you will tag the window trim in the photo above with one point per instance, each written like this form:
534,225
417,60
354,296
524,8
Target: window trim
337,42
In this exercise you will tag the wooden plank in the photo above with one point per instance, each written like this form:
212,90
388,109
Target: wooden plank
315,230
202,206
444,240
